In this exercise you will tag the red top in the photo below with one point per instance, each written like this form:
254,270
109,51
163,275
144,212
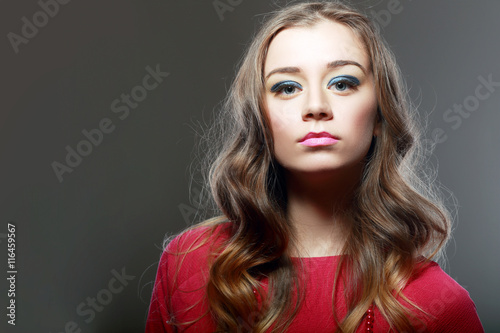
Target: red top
432,290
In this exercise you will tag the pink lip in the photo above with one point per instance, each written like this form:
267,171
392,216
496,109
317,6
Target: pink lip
313,139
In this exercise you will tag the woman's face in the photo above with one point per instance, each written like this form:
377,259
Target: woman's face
318,79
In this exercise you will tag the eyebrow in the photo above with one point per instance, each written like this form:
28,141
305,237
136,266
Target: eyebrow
330,65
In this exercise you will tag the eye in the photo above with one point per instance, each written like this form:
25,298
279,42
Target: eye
286,88
343,83
341,86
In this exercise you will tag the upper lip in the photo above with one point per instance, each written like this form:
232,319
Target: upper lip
318,135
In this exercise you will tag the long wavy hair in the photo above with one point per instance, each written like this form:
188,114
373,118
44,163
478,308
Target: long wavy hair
399,218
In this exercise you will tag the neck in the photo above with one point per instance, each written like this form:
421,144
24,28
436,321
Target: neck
317,206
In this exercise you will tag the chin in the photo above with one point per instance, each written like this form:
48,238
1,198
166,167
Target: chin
314,168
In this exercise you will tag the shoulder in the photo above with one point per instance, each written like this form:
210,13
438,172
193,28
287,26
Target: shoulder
193,248
184,265
178,292
200,238
447,303
433,285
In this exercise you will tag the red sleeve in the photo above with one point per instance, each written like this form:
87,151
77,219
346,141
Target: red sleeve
449,305
179,290
159,309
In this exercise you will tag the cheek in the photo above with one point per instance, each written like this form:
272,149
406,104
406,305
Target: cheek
281,115
282,131
363,120
283,124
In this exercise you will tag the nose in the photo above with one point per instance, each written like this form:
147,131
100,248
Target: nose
317,106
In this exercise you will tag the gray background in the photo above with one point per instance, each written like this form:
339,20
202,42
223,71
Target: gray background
113,211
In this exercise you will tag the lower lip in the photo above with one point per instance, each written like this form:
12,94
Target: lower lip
315,142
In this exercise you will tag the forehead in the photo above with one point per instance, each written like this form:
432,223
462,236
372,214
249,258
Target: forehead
321,43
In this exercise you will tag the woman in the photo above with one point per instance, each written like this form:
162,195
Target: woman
325,224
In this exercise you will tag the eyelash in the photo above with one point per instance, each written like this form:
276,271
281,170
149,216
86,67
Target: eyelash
351,82
280,86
